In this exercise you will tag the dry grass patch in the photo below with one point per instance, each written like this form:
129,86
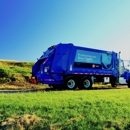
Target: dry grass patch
24,122
17,85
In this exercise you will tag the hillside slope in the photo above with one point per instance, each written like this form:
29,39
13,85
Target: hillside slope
15,71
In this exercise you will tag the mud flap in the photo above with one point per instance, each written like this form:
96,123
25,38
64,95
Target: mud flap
34,80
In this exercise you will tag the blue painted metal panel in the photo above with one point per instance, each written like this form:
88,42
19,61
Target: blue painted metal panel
60,61
97,59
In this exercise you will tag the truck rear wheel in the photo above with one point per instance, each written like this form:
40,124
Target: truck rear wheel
70,83
86,83
56,87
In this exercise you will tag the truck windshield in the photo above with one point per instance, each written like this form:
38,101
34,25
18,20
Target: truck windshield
122,63
127,64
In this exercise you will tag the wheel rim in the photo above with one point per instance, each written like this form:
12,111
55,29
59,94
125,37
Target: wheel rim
86,83
71,84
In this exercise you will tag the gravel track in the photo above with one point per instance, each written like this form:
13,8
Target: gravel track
51,89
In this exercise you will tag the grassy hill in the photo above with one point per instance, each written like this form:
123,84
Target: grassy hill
15,71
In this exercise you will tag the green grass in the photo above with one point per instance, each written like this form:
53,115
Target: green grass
71,110
15,71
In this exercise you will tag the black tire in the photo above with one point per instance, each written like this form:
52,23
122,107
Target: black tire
113,82
57,87
86,83
54,86
128,83
70,83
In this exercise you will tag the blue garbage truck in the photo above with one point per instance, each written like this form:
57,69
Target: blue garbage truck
68,66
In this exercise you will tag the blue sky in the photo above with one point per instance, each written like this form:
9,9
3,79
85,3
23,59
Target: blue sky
29,27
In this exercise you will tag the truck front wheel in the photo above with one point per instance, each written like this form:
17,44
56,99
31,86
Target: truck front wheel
128,83
70,83
86,83
113,81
